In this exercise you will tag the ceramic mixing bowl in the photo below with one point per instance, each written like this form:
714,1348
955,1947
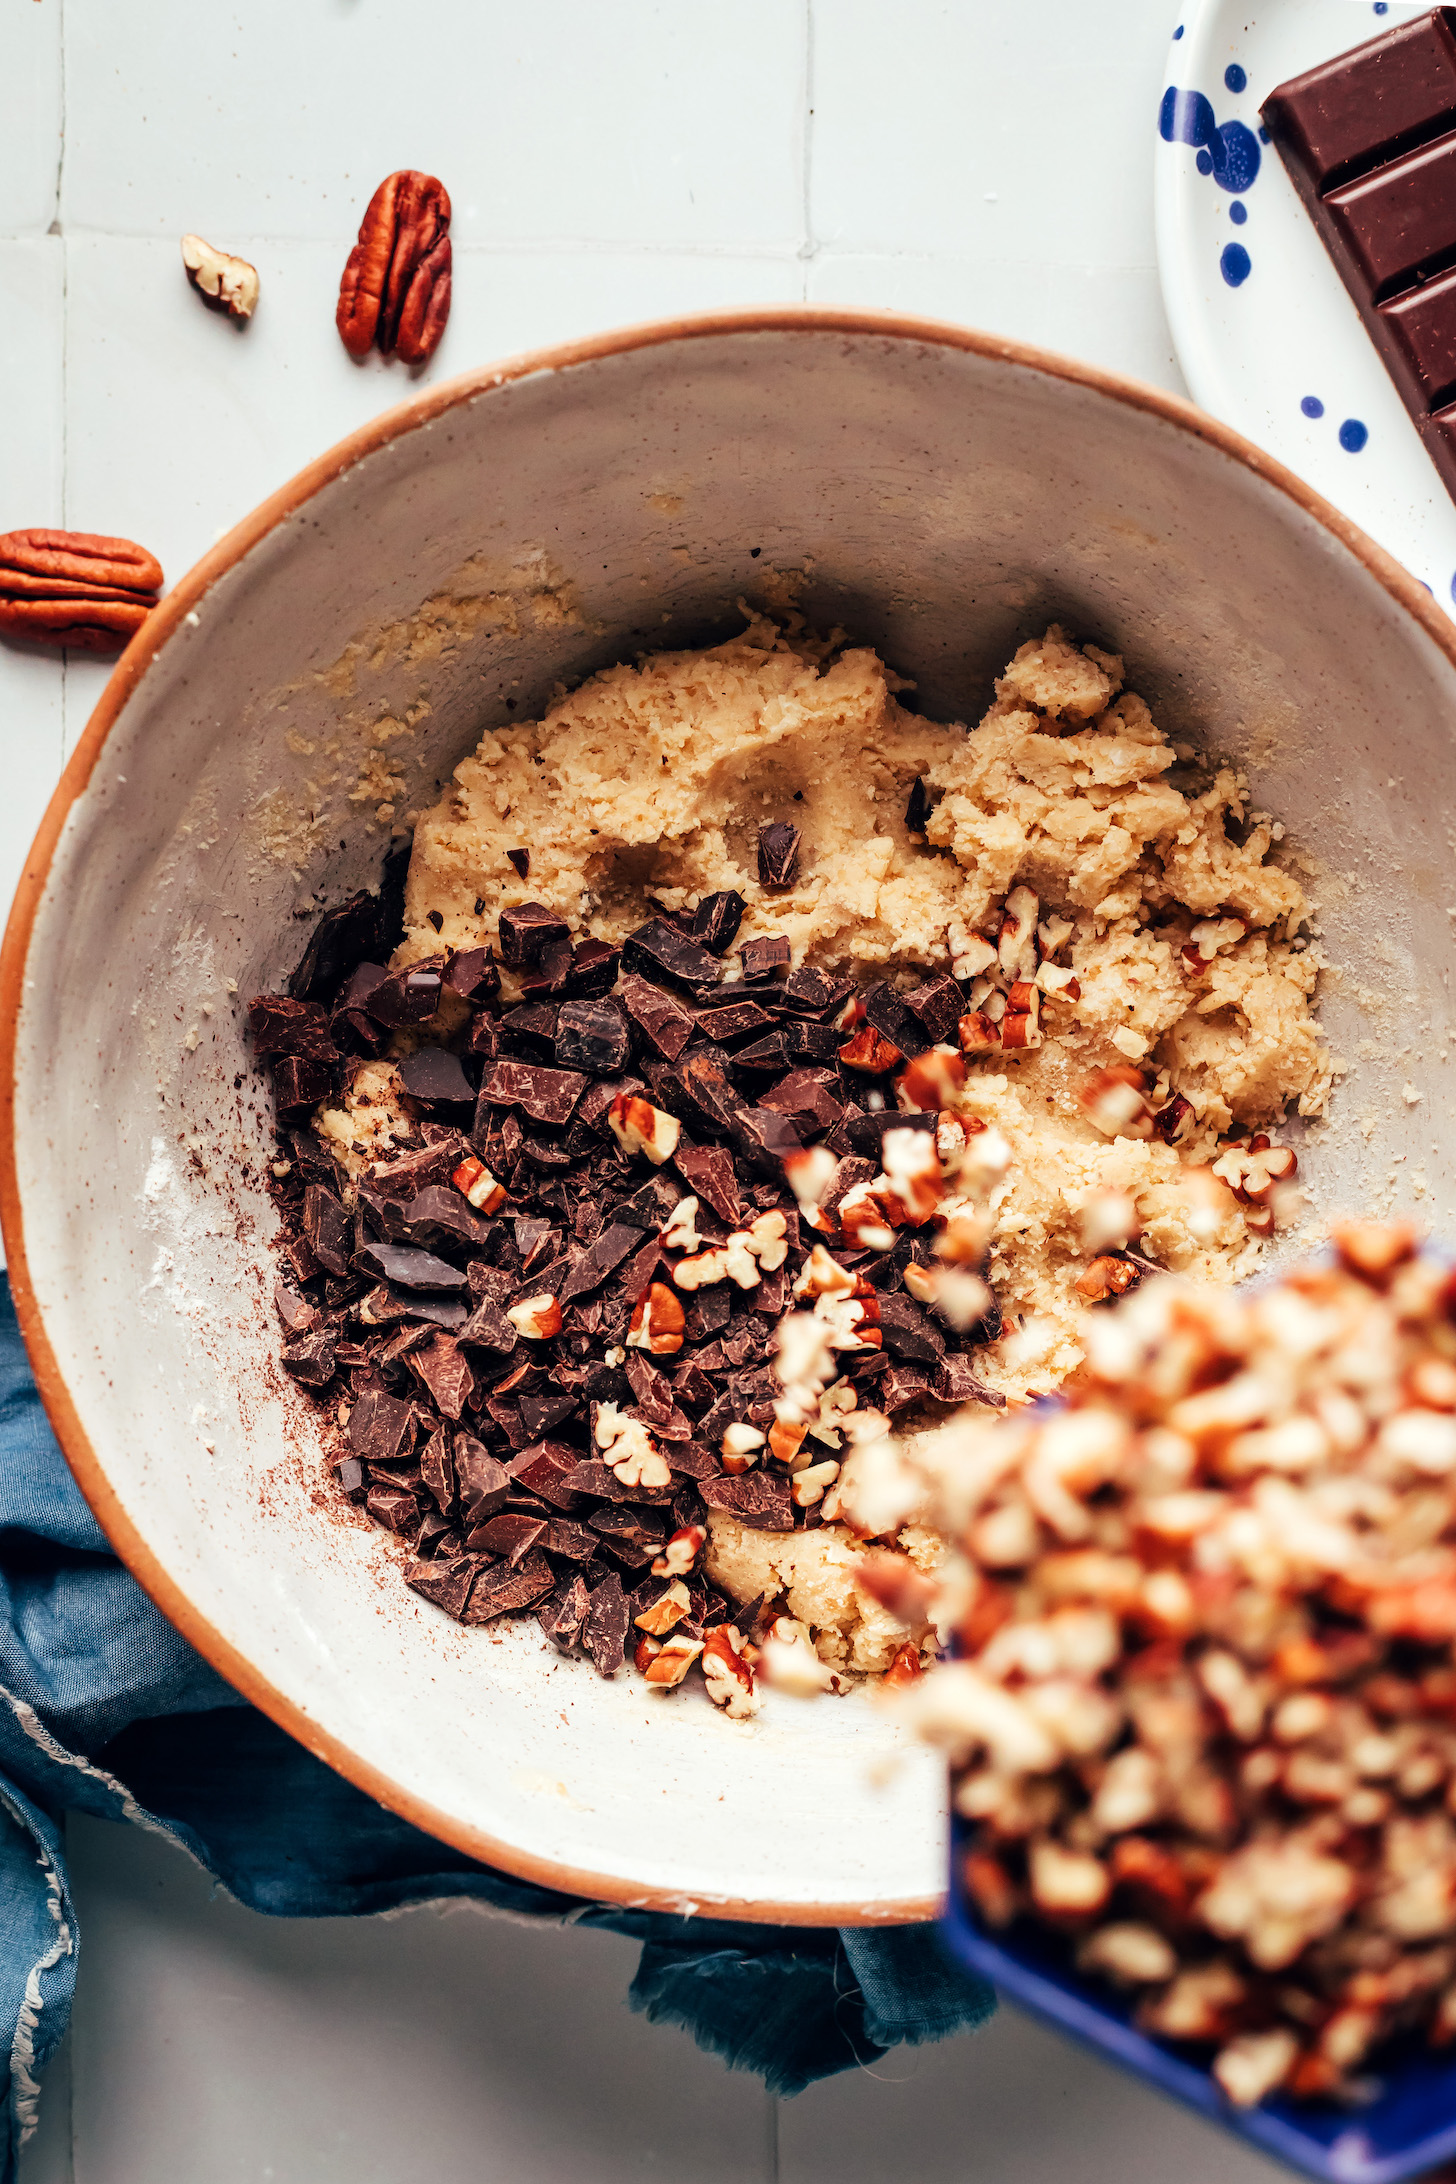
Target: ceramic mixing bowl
939,494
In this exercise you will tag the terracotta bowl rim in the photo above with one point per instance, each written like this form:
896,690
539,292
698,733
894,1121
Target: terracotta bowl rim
392,424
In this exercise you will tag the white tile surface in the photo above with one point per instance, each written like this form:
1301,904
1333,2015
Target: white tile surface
645,121
30,115
968,159
211,2043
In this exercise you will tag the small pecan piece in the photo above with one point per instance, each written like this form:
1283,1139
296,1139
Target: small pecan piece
75,589
226,283
395,293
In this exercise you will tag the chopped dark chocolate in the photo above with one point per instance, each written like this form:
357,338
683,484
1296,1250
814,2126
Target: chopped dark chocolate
593,972
297,1315
511,1535
662,1020
899,1387
811,992
955,1381
311,1358
408,1269
474,975
438,1218
739,1020
917,806
279,1025
409,995
541,1414
807,1041
326,1229
649,1208
593,1036
548,979
546,1095
395,1507
885,1009
938,1006
381,1429
433,1076
717,919
299,1083
445,1372
760,1499
483,1480
809,1097
414,1172
447,1584
521,859
527,931
764,1138
565,1618
437,1469
778,855
762,957
541,1467
662,952
607,1623
698,1082
709,1173
590,1268
573,1542
503,1590
350,1474
342,938
867,1132
482,1041
530,1031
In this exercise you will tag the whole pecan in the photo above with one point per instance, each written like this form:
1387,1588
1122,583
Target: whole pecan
75,589
395,293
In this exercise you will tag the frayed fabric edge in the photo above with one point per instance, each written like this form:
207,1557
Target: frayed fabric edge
25,2085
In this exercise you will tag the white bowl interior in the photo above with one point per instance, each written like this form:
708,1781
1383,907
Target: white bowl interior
939,501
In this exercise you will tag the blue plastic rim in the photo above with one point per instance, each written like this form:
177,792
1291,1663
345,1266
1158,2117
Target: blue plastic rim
1409,2128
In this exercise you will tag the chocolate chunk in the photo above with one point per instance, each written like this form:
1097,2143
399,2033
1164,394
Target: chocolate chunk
299,1083
446,1373
447,1584
474,975
549,979
297,1315
955,1382
662,952
607,1623
511,1535
435,1078
593,1036
917,806
759,1499
886,1010
546,1095
1369,140
636,1526
764,1138
502,1590
311,1358
541,1468
488,1329
546,1149
406,1268
530,1031
564,1618
540,1413
771,1296
778,855
342,938
385,1307
437,1469
350,1474
899,1387
410,995
326,1229
691,1460
315,1164
593,970
438,1218
381,1429
806,1041
809,1097
761,958
573,1542
495,1282
938,1006
867,1132
414,1172
395,1507
591,1268
527,931
661,1019
521,859
437,1537
482,1041
740,1020
766,1057
717,919
699,1082
649,1208
708,1313
811,992
709,1173
278,1025
483,1480
351,1026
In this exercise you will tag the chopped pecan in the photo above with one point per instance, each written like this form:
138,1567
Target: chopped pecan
395,293
73,588
227,283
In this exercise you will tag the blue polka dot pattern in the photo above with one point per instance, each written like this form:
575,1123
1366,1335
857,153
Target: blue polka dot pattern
1238,212
1235,78
1353,435
1312,406
1177,34
1236,265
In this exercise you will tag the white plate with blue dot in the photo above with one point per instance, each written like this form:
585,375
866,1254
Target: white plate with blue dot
1267,335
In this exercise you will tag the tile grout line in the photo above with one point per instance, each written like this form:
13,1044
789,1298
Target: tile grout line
808,247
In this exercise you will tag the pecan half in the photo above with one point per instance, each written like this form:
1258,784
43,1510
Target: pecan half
75,589
395,293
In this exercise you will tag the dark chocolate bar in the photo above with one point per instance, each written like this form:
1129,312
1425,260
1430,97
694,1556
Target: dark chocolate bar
1370,142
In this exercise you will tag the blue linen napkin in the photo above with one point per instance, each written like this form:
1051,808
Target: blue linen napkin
105,1709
